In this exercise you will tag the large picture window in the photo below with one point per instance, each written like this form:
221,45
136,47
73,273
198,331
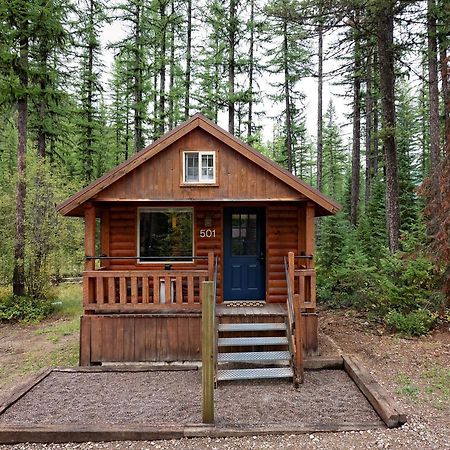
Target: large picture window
199,167
165,234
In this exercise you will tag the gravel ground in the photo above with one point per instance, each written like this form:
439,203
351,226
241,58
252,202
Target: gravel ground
389,358
152,398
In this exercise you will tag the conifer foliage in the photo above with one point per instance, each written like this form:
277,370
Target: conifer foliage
74,103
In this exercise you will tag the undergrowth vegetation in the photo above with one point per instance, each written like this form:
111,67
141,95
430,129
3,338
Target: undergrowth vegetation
401,289
63,301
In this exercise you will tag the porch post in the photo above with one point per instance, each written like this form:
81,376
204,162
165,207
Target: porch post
89,235
310,233
104,235
89,250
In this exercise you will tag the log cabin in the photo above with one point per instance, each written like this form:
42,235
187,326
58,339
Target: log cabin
198,204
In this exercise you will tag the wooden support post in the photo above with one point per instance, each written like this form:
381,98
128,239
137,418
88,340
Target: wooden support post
291,271
104,236
89,286
310,233
298,338
85,341
208,337
89,236
211,266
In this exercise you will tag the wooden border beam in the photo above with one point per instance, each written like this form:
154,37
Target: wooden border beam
377,396
98,433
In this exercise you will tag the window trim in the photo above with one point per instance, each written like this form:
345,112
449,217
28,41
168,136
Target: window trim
200,180
138,233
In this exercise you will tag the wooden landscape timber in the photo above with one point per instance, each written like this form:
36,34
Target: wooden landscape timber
99,433
374,392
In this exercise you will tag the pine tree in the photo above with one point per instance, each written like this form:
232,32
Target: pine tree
91,20
290,57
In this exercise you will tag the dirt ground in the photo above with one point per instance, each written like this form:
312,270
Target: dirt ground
415,371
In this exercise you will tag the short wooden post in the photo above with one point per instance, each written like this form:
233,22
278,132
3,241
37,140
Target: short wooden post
208,351
211,266
291,271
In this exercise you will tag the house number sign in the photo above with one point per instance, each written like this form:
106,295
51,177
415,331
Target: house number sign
208,233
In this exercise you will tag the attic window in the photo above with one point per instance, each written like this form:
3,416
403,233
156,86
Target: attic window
199,167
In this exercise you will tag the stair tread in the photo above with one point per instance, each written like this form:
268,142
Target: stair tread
254,374
245,341
283,355
252,326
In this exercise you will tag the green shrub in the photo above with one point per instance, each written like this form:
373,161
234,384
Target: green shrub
414,323
24,309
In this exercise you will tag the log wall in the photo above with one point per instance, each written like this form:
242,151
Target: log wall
284,233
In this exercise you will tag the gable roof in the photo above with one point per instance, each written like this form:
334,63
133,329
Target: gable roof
197,120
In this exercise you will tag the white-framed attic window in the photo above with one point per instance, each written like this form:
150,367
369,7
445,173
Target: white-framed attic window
199,167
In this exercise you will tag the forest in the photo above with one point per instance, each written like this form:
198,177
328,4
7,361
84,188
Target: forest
68,117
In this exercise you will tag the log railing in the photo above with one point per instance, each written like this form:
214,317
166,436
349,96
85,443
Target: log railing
305,281
129,290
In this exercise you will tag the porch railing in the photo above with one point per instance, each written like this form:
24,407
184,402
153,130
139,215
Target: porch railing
118,290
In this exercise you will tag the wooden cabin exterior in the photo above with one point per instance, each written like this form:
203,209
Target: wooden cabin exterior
198,204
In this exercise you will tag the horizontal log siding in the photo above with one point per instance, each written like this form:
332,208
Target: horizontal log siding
123,240
282,237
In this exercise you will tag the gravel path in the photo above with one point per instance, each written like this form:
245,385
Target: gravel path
175,398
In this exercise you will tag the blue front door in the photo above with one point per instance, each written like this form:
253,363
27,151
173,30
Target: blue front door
244,258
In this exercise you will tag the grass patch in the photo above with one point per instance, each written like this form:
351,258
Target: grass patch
438,383
65,355
406,387
57,330
68,300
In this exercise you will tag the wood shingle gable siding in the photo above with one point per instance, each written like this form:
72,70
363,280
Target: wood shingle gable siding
243,173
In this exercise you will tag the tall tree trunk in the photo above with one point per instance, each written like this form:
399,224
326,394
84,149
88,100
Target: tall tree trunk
172,66
433,89
369,111
250,71
89,157
320,102
356,148
376,149
137,81
287,98
445,93
162,69
231,65
385,41
187,94
22,129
